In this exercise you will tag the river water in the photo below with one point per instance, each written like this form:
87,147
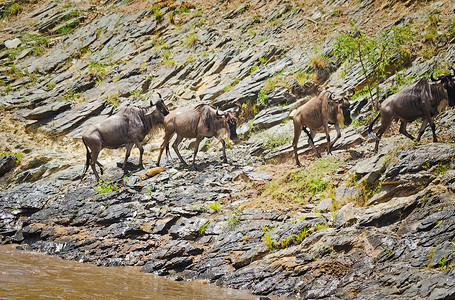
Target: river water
28,275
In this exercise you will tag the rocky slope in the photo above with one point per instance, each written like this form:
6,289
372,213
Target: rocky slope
350,225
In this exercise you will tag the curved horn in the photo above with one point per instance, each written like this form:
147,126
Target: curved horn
159,95
350,93
218,114
431,76
237,108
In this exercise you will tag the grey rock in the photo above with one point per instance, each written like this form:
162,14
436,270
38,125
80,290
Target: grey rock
417,159
69,120
255,175
48,110
187,229
346,193
325,205
280,96
13,44
371,168
249,87
346,216
270,117
7,163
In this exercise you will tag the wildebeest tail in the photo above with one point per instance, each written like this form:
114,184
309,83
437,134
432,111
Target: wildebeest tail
87,162
371,134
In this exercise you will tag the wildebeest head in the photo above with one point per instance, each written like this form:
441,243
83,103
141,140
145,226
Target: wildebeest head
231,121
161,106
344,107
448,84
155,113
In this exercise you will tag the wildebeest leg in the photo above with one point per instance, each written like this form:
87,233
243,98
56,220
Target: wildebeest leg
175,145
295,142
87,162
422,129
101,167
93,160
403,130
337,128
327,135
128,146
141,152
385,123
223,143
165,144
311,135
196,149
428,119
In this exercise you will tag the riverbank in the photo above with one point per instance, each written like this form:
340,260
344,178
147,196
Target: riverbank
27,274
353,224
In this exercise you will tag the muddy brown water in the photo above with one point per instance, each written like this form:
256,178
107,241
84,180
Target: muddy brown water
28,275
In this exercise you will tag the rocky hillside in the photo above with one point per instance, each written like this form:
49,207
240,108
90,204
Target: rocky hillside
349,225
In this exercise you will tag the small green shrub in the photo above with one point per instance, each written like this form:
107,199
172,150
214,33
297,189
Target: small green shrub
290,240
190,58
215,206
156,11
100,69
229,87
181,10
234,218
166,58
136,93
451,28
191,39
11,9
105,187
274,140
378,55
18,155
262,98
203,227
112,99
72,96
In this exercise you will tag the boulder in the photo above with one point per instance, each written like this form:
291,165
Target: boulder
423,157
188,229
270,117
7,163
371,168
346,216
13,44
325,205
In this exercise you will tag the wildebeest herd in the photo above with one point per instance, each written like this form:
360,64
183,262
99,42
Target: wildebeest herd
425,99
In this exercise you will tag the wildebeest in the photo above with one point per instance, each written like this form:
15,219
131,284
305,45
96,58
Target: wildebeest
318,113
198,122
126,128
425,99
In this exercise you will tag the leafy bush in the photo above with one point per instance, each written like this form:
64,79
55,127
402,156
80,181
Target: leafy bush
378,55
